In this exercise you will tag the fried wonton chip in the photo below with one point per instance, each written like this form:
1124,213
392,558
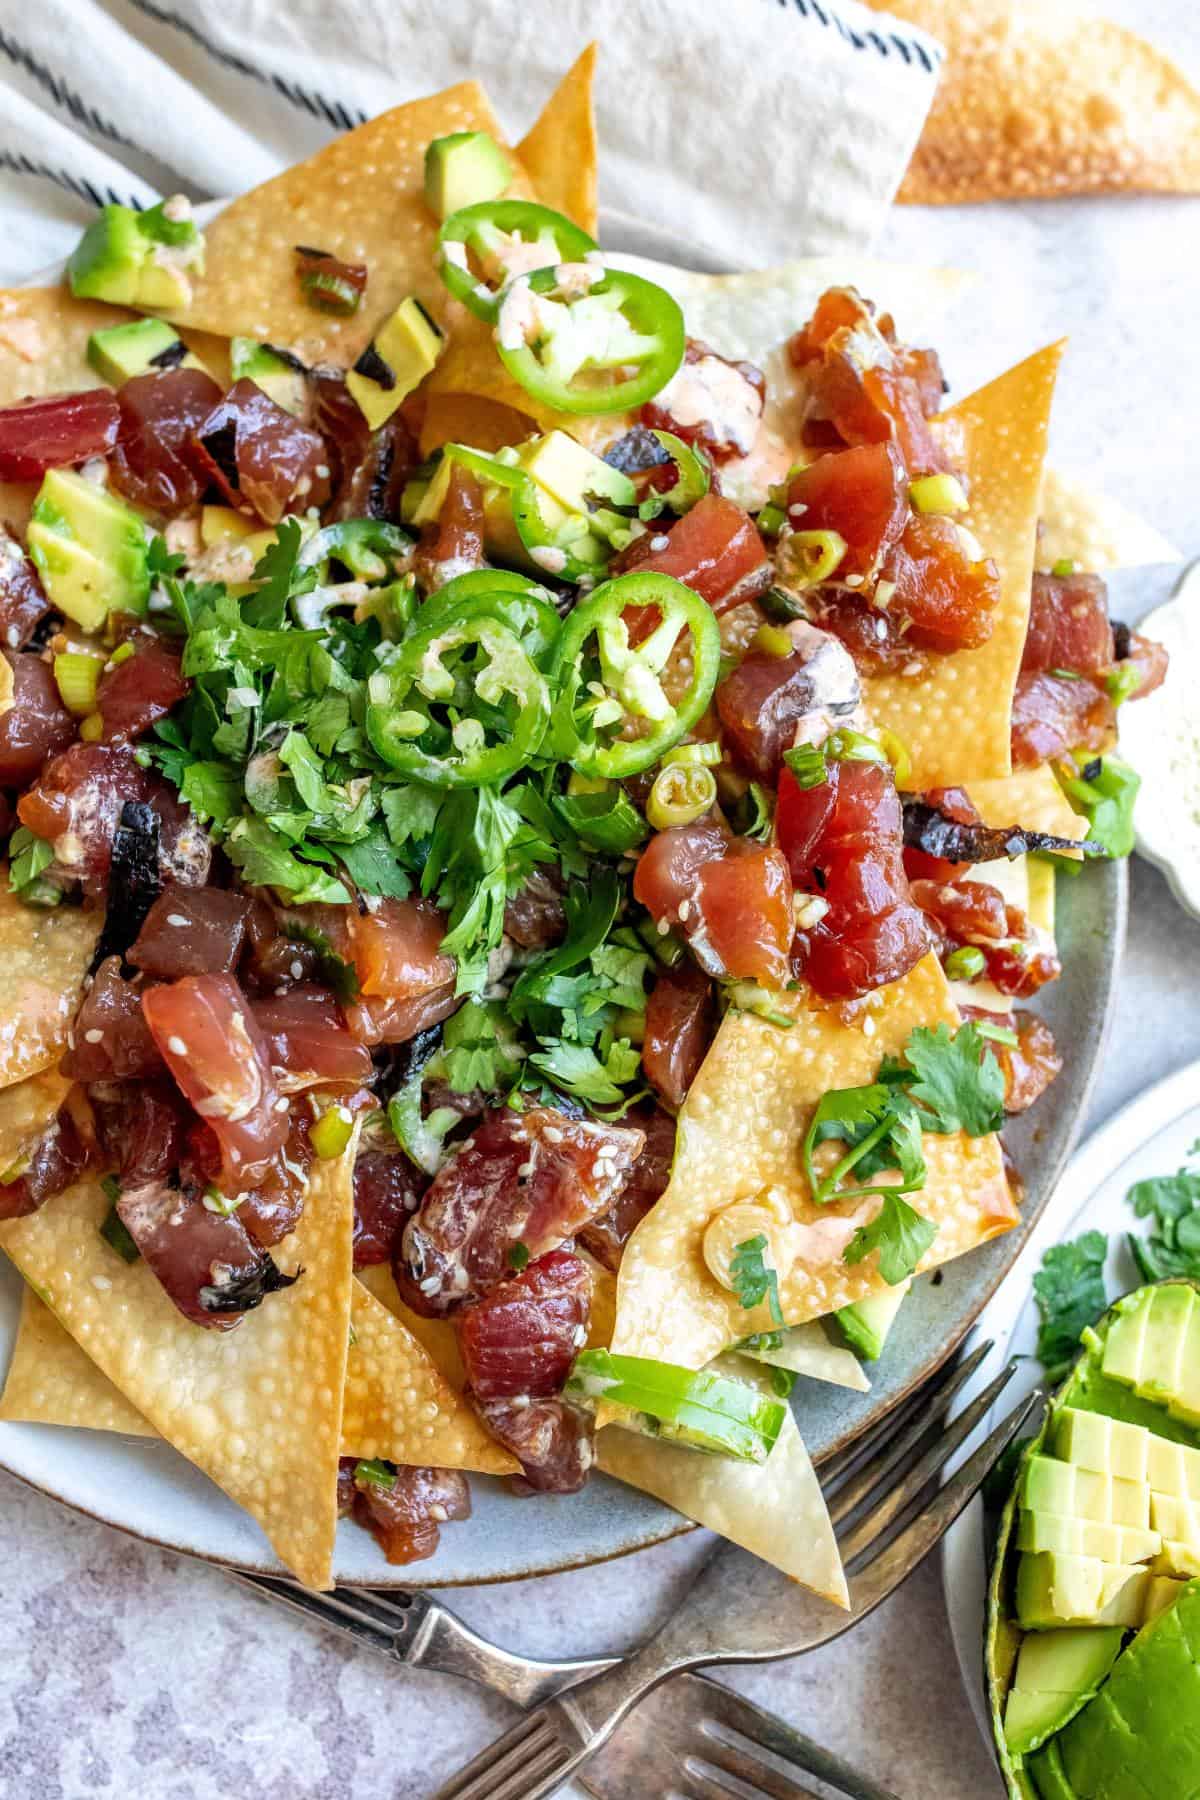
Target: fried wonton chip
1039,97
51,1381
259,1408
26,1108
1093,531
362,199
740,1134
399,1405
954,715
810,1350
559,153
775,1509
44,955
467,419
43,341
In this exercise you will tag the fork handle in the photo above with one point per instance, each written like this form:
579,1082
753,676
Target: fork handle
441,1641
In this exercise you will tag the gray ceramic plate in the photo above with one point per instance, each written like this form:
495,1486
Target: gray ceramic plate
150,1490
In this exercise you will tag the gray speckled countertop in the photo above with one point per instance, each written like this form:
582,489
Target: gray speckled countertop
130,1674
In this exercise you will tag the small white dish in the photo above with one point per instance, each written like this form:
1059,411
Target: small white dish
1160,737
1150,1136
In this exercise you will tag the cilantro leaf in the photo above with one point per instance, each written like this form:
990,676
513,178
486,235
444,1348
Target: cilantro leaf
753,1277
266,861
278,577
880,1129
959,1085
1070,1294
28,857
373,866
579,1070
900,1235
1173,1203
479,1048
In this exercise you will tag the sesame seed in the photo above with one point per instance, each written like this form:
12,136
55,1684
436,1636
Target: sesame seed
660,542
296,970
102,1282
93,1037
176,919
553,1135
176,1046
281,1105
663,927
685,911
430,1285
438,1511
868,1027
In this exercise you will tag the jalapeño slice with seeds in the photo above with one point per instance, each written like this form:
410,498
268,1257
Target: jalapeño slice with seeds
482,248
584,339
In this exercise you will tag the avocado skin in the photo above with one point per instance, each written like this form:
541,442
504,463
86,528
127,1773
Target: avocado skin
867,1323
1049,1776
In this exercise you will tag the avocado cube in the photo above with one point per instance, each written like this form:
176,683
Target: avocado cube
1049,1776
1175,1518
1108,1446
404,350
867,1322
280,380
106,262
1057,1673
1186,1403
220,523
1177,1558
1122,1354
1051,1486
1086,1537
1166,1335
138,348
89,549
572,475
1054,1589
464,169
1173,1468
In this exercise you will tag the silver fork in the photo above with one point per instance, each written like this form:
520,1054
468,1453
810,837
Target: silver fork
884,1530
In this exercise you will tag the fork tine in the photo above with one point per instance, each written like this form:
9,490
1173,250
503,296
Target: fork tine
886,1507
889,1443
721,1757
845,1464
511,1755
902,1555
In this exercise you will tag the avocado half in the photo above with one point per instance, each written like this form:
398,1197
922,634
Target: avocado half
1093,1635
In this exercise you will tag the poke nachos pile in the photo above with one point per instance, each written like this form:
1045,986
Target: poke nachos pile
530,839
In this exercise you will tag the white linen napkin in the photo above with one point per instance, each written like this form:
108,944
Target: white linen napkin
762,129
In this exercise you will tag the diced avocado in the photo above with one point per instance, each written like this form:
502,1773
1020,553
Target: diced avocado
1041,894
220,523
107,260
572,475
464,169
89,549
138,259
1164,1341
1055,1590
1049,1776
143,345
1176,1558
401,354
281,380
1086,1537
1057,1487
1185,1403
1175,1518
867,1323
1173,1468
1121,1359
1057,1673
1163,1591
1109,1446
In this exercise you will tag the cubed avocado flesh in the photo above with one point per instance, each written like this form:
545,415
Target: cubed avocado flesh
89,549
1122,1353
1086,1537
1057,1673
138,348
1049,1776
1055,1589
867,1323
1164,1342
1185,1403
1051,1486
464,169
572,475
1110,1446
220,523
137,259
404,349
283,383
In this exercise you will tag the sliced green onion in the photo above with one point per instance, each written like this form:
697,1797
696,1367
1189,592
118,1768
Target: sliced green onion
938,494
807,558
374,1474
751,997
1122,681
965,963
897,754
667,947
114,1230
1063,567
422,1140
708,752
14,1171
781,607
330,1134
772,640
682,793
77,678
518,1256
121,654
845,745
999,1034
92,729
771,520
807,763
693,1406
224,1205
